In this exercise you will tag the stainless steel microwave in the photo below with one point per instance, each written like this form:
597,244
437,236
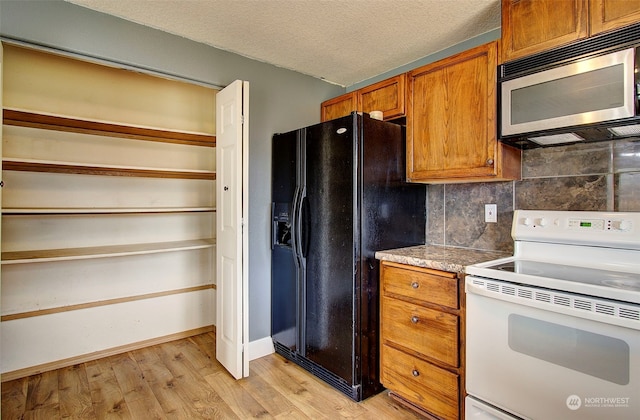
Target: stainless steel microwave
585,91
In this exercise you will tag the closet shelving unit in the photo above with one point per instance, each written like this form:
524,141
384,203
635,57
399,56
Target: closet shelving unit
48,122
83,208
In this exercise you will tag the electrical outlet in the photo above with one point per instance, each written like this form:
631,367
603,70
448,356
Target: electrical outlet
491,213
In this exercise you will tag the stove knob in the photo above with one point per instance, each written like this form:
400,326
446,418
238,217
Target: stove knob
526,221
543,222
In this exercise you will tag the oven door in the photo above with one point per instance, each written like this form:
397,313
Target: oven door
534,361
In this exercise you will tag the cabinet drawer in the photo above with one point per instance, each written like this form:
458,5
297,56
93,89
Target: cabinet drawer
423,330
421,285
432,388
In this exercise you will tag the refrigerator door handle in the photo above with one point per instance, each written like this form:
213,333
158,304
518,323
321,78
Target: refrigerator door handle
295,227
274,225
304,228
300,247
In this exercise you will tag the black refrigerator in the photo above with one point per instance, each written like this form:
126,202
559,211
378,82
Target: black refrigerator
338,196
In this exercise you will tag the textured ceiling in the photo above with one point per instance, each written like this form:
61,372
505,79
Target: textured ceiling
341,41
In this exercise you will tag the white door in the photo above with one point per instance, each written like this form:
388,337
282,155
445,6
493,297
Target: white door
232,122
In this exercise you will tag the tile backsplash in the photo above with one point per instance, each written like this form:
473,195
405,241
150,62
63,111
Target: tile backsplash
603,176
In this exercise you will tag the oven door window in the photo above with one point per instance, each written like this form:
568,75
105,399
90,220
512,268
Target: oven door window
594,354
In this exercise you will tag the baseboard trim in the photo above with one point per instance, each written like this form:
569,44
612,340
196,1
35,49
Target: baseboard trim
260,348
58,364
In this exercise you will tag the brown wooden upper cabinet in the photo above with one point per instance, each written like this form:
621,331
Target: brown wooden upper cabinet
605,15
532,26
339,106
451,121
387,96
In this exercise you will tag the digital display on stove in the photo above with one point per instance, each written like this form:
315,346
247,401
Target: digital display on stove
587,224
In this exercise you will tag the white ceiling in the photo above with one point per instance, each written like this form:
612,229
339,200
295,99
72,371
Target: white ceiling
341,41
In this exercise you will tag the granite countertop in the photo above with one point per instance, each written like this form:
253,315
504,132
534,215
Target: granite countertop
439,257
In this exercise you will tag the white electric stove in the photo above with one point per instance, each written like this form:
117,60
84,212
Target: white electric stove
554,330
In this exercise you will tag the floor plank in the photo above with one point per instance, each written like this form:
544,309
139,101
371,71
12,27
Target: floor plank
183,380
277,404
161,383
141,401
14,398
74,393
42,392
106,394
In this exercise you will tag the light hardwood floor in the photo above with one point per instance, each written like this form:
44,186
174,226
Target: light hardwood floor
182,380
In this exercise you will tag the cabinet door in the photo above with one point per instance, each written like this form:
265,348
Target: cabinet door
612,14
387,96
339,106
531,26
451,119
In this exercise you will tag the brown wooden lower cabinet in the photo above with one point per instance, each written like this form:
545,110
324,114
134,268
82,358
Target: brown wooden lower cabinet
422,338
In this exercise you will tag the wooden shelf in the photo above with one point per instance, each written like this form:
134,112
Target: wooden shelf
103,210
36,165
67,254
52,122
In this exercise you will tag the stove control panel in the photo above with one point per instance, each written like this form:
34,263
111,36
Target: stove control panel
580,227
593,224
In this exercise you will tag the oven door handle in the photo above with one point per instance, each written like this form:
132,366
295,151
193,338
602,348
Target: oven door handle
599,310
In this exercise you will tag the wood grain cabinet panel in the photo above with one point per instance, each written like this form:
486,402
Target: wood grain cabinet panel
533,26
339,106
422,339
387,96
422,330
605,15
451,121
421,383
430,286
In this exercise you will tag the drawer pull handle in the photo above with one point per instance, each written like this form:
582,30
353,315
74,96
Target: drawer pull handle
415,372
415,319
415,285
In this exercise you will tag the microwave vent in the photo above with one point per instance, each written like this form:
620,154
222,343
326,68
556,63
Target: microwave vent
556,139
627,130
622,38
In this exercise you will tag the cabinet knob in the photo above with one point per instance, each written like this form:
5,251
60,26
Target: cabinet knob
415,285
415,372
226,188
414,319
489,162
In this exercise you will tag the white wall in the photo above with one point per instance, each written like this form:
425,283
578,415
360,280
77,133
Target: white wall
281,100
